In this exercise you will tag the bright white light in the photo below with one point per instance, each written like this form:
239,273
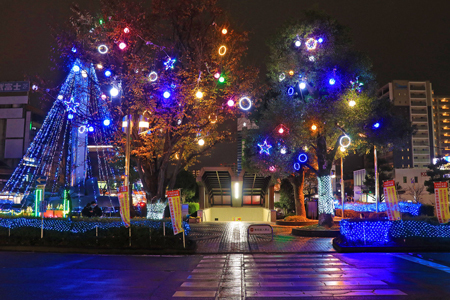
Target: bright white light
34,87
84,74
352,103
281,77
230,103
201,142
103,96
144,124
298,43
302,85
76,68
107,73
99,66
106,122
60,97
342,149
345,141
245,124
153,76
199,95
179,122
122,46
312,58
82,129
332,81
245,103
114,92
103,49
166,94
283,150
126,30
236,190
91,129
70,116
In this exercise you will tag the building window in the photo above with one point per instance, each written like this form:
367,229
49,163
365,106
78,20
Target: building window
416,179
404,179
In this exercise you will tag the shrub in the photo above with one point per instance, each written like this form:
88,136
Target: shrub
193,207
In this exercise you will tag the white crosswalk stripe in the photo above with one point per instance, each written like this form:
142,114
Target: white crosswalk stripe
242,276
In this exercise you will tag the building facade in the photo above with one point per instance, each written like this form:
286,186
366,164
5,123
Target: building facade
414,100
441,108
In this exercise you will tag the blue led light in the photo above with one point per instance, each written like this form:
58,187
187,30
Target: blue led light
376,125
166,94
74,50
108,73
91,129
332,81
70,116
302,85
320,40
296,166
106,122
76,68
302,158
291,91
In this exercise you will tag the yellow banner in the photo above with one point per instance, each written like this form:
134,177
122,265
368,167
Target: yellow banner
390,195
175,211
441,198
124,201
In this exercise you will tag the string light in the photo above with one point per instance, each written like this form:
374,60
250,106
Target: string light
102,49
122,45
84,74
352,103
245,103
311,58
169,63
199,95
325,195
222,50
201,142
296,166
224,31
320,40
302,158
313,127
74,50
264,148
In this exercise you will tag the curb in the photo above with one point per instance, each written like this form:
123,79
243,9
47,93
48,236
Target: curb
287,223
315,233
385,249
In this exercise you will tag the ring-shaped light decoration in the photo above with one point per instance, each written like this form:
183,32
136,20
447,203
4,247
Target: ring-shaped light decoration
345,141
311,44
291,91
302,158
281,77
102,49
153,76
222,50
82,129
296,166
243,105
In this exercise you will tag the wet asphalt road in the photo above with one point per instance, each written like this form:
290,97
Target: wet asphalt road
233,276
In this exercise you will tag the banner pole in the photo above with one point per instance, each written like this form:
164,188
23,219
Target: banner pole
42,226
184,241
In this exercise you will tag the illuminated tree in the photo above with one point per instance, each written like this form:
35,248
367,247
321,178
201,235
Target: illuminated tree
176,67
323,95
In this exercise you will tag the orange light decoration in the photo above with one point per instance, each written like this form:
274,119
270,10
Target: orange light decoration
222,50
291,72
314,127
224,31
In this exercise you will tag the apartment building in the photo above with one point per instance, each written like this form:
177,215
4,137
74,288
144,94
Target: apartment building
414,100
441,108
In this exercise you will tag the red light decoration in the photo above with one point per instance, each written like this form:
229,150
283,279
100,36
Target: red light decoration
281,129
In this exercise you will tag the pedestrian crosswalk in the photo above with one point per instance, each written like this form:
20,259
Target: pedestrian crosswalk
242,276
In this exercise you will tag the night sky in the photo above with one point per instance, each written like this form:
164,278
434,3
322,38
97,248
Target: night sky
406,39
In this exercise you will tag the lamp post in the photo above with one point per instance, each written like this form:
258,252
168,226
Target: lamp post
377,190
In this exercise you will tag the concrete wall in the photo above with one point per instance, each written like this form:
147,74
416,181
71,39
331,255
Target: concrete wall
258,214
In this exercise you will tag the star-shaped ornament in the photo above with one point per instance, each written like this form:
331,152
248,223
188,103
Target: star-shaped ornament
264,148
71,106
169,63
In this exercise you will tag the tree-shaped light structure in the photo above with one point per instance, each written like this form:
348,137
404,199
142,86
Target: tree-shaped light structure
60,149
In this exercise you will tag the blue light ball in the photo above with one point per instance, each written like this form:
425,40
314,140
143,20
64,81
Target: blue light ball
106,122
91,129
376,125
166,94
320,40
332,81
107,73
76,68
70,116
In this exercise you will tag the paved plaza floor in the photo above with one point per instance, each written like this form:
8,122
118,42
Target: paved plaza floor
231,237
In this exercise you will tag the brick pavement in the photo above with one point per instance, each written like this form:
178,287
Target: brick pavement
231,237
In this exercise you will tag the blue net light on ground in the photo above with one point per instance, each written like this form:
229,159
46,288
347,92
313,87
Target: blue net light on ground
405,207
67,225
385,231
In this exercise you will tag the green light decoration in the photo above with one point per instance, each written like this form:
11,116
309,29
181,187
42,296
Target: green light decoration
38,198
66,204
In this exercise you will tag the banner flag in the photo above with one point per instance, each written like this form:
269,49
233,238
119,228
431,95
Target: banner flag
390,194
441,198
175,211
124,201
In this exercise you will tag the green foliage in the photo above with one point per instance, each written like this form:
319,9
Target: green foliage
193,207
287,200
438,172
188,185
